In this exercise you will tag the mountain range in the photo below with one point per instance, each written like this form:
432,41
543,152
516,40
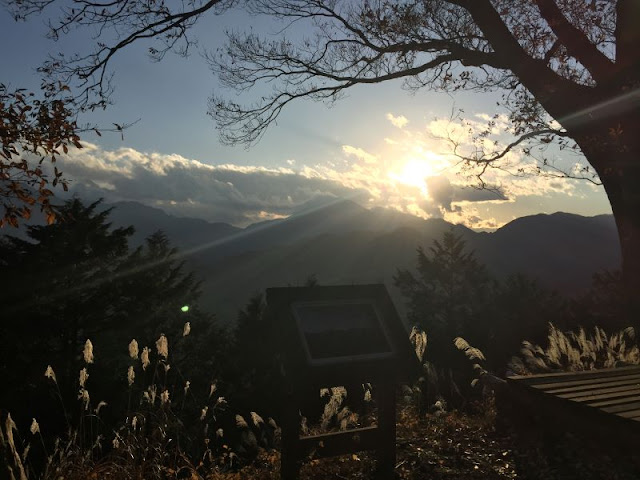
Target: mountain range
341,242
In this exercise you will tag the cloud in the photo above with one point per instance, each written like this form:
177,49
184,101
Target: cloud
471,218
440,191
399,121
444,194
464,193
411,170
359,153
229,193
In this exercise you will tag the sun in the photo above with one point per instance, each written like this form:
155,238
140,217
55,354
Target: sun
414,170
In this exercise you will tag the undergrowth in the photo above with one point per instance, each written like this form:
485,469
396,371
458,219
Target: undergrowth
167,426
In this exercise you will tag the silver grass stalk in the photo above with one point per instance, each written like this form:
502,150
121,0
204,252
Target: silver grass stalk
87,352
83,377
49,373
162,345
144,358
133,349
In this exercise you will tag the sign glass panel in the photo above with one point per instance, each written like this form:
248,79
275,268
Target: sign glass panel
331,330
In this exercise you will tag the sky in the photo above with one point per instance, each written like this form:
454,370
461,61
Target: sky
381,146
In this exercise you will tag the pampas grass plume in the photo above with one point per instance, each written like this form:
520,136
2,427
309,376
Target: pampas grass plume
144,358
35,427
257,419
83,377
240,422
83,395
87,353
133,349
162,345
49,373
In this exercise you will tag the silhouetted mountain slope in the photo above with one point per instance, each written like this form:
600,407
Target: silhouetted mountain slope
185,233
213,242
336,217
561,250
341,243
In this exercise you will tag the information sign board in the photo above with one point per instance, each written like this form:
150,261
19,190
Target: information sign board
341,331
339,335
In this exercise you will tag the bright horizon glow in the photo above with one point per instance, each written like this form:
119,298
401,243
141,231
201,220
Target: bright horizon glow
415,170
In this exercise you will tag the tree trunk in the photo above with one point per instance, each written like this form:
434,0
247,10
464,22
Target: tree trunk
620,175
624,196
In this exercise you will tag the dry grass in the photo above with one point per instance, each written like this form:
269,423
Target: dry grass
576,351
166,428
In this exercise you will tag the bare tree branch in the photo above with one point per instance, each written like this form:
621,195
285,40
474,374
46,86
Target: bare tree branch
119,24
576,42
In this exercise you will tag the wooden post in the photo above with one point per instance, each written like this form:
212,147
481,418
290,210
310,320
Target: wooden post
386,452
289,460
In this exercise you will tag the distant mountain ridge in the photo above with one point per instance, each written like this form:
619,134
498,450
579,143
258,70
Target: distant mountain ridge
343,242
184,232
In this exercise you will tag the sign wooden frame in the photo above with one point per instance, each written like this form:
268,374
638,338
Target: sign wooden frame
324,316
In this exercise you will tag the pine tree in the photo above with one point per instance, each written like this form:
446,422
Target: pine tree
76,279
448,294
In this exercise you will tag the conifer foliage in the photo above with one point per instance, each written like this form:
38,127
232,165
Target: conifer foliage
78,279
452,294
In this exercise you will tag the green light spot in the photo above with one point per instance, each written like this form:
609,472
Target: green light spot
185,308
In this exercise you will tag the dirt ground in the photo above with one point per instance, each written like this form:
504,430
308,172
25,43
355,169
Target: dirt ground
462,446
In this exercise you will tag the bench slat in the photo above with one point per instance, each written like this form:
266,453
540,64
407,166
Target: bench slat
629,414
596,385
605,396
598,391
624,407
582,375
587,381
615,401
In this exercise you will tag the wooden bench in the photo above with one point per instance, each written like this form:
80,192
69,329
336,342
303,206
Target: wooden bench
602,406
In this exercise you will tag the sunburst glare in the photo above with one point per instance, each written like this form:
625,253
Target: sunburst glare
414,170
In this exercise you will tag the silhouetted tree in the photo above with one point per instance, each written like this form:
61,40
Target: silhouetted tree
451,295
602,305
256,372
521,310
76,279
448,296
